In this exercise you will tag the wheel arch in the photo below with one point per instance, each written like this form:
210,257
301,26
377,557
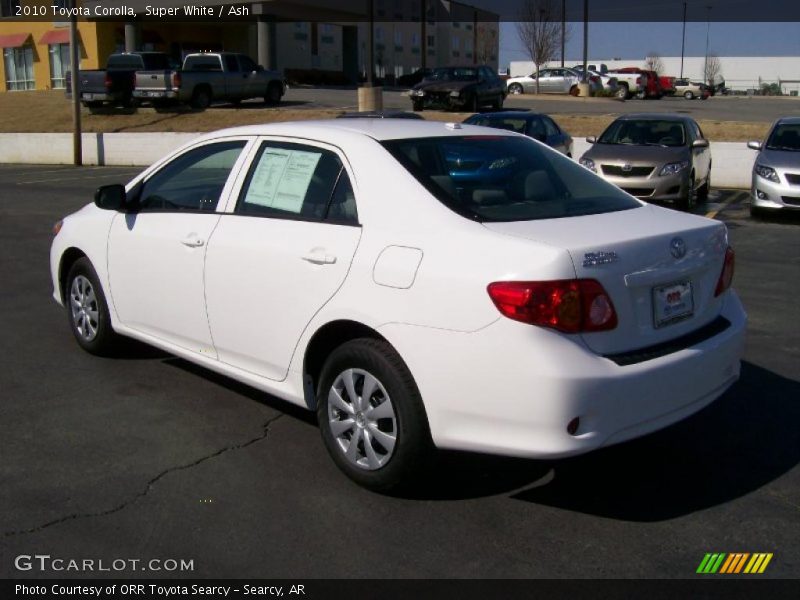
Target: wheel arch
68,258
327,338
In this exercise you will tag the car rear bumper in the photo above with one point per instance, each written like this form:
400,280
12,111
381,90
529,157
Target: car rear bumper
512,389
155,94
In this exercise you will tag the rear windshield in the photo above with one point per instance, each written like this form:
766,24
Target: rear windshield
785,137
202,63
644,132
505,178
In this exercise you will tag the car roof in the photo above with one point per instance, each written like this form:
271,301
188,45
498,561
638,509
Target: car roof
508,114
333,130
380,114
653,116
788,121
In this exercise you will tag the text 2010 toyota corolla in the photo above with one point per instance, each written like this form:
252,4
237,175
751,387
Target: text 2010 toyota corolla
364,270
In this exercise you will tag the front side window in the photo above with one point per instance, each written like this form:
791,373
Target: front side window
59,65
192,182
505,178
247,63
19,68
295,181
550,127
644,132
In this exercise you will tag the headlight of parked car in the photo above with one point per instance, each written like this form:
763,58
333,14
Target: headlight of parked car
588,163
455,94
417,92
673,168
767,173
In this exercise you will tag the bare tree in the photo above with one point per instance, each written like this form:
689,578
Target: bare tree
539,30
652,62
487,44
712,69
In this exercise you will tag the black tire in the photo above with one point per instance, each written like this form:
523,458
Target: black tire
625,87
641,95
201,98
404,465
498,104
104,342
515,88
274,94
621,93
702,193
685,202
688,95
417,106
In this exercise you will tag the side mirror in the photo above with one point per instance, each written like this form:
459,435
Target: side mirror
754,145
591,139
110,197
700,144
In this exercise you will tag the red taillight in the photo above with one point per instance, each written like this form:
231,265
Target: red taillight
176,80
569,305
107,82
726,277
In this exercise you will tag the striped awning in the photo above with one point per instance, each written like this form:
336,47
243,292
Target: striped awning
14,40
55,36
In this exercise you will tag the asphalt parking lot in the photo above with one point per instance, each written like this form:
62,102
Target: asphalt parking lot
723,108
150,457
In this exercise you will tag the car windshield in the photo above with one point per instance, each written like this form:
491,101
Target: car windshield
785,136
503,178
644,132
451,74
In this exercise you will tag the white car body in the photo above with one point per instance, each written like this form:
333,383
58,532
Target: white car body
246,296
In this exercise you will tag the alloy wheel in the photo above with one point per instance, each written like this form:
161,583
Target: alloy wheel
84,308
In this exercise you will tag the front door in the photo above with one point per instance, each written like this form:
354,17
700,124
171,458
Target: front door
156,253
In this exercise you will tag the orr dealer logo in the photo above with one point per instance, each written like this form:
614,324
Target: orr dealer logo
735,563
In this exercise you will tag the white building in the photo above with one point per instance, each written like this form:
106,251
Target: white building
739,72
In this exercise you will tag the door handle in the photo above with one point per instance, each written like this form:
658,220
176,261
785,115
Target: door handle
192,241
319,258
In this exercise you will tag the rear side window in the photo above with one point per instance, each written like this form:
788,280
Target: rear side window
505,178
295,181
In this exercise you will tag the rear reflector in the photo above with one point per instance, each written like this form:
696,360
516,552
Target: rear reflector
726,277
569,305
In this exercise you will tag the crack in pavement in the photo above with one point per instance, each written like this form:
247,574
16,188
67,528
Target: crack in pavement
149,486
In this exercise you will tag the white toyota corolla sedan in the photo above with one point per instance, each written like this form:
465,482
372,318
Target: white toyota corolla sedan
420,285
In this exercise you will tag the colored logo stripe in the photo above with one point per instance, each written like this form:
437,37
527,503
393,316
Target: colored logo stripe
734,563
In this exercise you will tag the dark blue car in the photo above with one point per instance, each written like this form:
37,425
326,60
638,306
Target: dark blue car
535,125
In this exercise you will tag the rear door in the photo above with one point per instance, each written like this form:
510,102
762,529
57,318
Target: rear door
280,254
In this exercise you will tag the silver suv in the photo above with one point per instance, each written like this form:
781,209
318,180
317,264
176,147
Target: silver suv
776,172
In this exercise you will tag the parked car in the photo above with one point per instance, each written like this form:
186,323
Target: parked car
211,77
776,171
114,85
380,114
551,81
459,88
691,90
667,85
651,83
535,125
412,79
663,157
341,267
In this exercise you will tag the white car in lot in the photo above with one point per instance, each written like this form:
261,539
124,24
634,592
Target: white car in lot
776,171
420,285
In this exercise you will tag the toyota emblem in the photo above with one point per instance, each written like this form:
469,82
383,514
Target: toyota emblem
677,247
627,168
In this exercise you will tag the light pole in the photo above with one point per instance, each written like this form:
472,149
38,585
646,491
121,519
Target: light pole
585,38
563,28
683,38
708,30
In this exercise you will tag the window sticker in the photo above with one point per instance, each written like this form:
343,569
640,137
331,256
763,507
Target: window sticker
282,178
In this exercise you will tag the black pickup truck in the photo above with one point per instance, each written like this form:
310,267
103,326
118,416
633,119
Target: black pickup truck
113,86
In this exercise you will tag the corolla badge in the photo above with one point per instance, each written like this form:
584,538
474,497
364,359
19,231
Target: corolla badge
677,247
593,259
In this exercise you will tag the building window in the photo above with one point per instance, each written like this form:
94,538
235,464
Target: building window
59,64
8,8
301,31
326,33
19,68
379,34
398,40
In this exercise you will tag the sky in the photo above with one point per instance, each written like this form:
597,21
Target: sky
635,40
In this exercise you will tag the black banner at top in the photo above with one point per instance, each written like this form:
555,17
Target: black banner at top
405,10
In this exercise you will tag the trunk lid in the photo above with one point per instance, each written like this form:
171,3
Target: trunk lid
154,80
645,275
